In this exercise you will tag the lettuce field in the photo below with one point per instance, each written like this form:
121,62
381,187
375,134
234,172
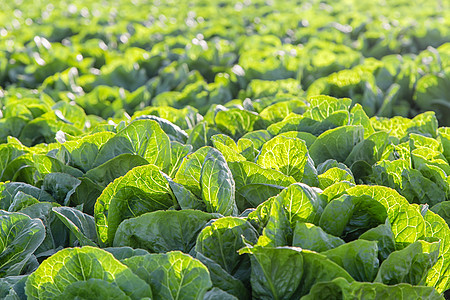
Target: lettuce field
224,149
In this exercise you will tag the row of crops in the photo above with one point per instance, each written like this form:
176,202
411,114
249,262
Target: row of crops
224,149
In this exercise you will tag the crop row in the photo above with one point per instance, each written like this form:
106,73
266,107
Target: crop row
188,150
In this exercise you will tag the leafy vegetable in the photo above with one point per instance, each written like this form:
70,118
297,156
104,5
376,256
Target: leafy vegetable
162,231
20,237
226,149
141,190
173,275
77,269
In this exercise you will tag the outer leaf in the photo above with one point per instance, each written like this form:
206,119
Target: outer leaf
217,185
162,231
359,258
339,287
61,186
277,231
185,198
334,175
301,203
329,164
439,275
86,195
80,224
114,168
350,216
144,138
336,143
409,265
417,141
444,136
255,184
287,155
174,132
141,190
418,189
359,117
20,236
311,237
221,240
10,189
318,268
218,294
56,234
21,200
307,137
13,287
122,253
322,106
8,153
178,152
247,149
276,272
304,123
278,111
369,150
443,210
383,235
173,275
258,137
260,216
235,122
407,223
336,190
227,147
425,155
46,164
84,151
200,136
186,118
223,280
93,289
72,265
190,171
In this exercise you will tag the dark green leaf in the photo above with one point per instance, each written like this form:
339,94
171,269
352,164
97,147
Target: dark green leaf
162,231
172,275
